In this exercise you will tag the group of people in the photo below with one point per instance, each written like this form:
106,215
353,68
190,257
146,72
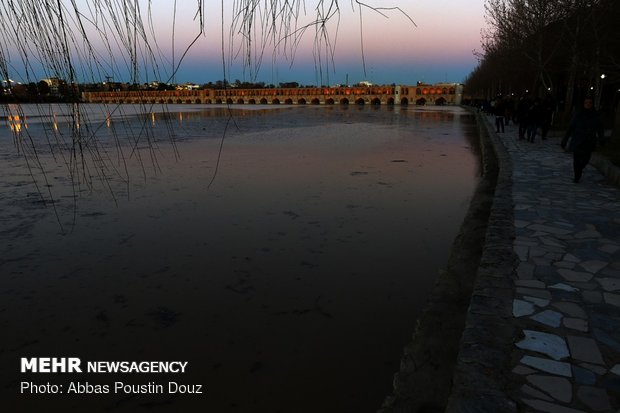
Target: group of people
583,134
531,114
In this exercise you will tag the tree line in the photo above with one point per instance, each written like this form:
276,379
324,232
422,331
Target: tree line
564,48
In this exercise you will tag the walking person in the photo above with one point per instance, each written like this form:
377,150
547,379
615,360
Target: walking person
584,131
546,115
522,108
500,109
509,109
533,120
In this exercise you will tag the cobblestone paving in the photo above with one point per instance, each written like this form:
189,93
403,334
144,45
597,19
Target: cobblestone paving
566,356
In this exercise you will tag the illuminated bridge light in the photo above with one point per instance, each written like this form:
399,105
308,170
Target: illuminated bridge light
448,93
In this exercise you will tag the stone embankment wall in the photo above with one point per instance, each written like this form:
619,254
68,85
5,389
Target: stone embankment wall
458,343
485,347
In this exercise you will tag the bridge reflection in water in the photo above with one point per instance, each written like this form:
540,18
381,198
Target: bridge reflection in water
437,94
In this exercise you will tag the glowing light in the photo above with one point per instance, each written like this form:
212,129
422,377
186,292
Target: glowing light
77,117
16,123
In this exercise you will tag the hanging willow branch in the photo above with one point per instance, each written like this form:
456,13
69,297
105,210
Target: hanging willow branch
100,40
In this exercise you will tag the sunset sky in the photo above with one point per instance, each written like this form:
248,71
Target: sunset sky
439,47
426,40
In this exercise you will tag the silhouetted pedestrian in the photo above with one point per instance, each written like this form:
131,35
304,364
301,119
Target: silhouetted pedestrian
546,115
522,107
584,131
509,110
533,120
499,110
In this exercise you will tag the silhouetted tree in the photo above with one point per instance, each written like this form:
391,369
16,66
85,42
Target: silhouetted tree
561,46
44,88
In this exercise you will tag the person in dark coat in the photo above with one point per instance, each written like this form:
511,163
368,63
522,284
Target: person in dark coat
533,120
499,110
546,115
522,107
584,131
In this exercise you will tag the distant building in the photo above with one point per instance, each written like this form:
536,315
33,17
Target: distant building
188,86
54,85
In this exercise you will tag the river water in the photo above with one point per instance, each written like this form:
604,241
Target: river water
283,252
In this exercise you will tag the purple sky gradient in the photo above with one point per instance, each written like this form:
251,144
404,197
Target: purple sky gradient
438,48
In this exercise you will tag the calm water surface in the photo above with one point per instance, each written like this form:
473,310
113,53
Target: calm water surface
290,284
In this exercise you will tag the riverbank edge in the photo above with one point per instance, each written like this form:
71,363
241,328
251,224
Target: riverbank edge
441,361
477,382
480,375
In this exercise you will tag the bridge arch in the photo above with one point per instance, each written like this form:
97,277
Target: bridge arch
276,101
263,101
344,101
420,102
218,101
441,101
229,101
252,101
325,95
316,101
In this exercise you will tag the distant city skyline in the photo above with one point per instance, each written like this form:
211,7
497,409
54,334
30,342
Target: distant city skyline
439,47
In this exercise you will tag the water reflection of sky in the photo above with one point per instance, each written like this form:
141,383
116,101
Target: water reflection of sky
295,280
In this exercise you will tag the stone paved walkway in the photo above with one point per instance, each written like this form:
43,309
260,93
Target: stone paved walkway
567,283
566,306
543,326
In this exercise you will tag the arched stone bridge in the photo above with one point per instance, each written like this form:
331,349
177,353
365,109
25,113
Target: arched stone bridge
437,94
